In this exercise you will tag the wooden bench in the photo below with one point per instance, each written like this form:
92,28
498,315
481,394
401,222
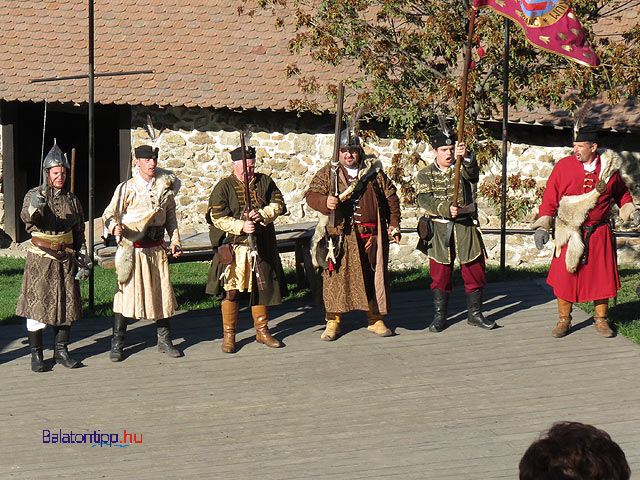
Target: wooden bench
294,237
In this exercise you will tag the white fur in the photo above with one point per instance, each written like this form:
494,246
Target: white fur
136,223
573,211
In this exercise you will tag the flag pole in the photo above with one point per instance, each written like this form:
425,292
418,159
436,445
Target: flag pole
505,126
463,102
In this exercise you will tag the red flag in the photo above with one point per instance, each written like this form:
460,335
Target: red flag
551,25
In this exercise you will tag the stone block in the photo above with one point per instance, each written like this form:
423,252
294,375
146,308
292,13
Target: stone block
172,139
201,138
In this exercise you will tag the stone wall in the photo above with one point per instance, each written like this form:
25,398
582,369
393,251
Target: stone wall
195,143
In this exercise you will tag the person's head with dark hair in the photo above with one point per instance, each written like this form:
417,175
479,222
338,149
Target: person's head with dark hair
574,451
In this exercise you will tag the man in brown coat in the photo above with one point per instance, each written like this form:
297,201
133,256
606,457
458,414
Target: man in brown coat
355,253
50,294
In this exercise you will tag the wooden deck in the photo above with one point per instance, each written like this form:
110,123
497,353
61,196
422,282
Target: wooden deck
463,404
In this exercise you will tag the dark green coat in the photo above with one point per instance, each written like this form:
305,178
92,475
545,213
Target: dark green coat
227,199
435,196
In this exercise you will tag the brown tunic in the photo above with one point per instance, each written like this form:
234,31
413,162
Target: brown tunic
351,286
50,293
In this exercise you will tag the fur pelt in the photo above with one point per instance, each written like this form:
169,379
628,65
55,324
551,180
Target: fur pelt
167,184
573,210
319,246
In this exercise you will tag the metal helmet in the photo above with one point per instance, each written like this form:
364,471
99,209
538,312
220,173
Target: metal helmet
349,139
55,158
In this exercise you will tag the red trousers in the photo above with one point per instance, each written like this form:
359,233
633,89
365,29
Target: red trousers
472,274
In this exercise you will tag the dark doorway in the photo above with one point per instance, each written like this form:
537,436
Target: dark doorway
68,125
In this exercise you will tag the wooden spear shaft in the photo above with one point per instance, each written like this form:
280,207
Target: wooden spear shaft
463,103
73,170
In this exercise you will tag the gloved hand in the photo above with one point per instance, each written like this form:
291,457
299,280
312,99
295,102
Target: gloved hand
635,219
541,237
38,200
83,274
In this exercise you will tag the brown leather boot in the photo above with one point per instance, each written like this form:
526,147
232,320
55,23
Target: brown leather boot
260,320
564,324
332,330
229,317
376,324
600,318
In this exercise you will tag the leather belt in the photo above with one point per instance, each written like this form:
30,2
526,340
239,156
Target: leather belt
450,224
148,243
53,246
589,230
365,230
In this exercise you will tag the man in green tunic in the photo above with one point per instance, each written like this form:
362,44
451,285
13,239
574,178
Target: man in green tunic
234,266
455,230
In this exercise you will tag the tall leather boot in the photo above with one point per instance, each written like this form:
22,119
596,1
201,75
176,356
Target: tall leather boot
229,318
564,322
376,322
165,345
259,313
61,354
474,314
600,318
440,306
35,344
117,341
332,330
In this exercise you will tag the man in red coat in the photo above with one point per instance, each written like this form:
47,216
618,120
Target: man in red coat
580,193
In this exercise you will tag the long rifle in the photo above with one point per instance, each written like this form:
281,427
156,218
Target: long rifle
463,103
253,247
335,159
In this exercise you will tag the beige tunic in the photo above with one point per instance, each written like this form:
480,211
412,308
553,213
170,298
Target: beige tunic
147,291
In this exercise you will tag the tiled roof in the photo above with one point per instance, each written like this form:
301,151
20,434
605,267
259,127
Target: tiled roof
203,53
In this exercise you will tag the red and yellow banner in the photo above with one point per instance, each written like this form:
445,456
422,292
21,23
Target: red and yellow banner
551,25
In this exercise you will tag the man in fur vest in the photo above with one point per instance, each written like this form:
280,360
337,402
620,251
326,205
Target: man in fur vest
580,192
235,267
141,210
455,230
355,254
56,259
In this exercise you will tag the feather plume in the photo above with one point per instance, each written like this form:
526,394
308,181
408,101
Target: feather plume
150,130
354,121
579,117
443,125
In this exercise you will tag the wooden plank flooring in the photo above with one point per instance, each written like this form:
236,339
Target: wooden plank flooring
463,404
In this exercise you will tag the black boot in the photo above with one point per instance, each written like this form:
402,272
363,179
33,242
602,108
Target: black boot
117,342
474,315
164,338
35,344
61,354
440,304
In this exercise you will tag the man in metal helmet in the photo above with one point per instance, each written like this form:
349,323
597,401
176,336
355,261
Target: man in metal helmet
56,259
355,269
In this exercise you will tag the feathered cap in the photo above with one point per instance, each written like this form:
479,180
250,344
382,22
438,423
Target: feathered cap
249,152
146,151
443,137
581,131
